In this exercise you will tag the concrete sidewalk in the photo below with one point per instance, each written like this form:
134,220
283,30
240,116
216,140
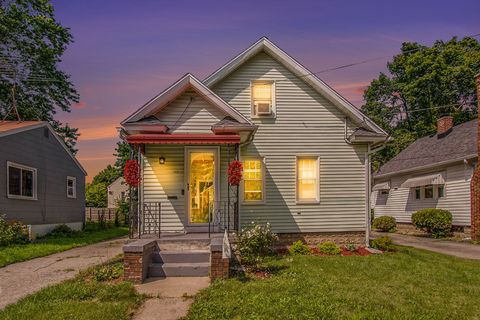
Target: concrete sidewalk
23,278
170,297
457,249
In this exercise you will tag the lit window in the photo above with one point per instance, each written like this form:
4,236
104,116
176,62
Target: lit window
71,187
418,193
22,181
441,191
428,192
307,179
262,99
253,180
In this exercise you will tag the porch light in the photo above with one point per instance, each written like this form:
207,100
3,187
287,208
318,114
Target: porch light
161,160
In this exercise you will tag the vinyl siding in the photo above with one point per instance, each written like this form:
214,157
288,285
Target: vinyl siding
198,117
400,202
305,123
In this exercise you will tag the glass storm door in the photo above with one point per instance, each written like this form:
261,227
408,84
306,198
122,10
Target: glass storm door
201,185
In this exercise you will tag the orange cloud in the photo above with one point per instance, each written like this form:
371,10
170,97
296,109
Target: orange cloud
80,105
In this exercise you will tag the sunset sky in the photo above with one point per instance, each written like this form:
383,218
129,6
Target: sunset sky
125,52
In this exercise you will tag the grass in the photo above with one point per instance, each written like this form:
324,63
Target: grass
44,247
79,299
408,284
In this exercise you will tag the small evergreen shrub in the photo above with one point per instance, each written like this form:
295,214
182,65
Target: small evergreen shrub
383,243
436,222
12,232
255,243
61,231
385,224
329,247
299,248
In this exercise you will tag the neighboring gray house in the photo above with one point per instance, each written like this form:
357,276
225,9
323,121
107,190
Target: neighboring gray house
117,190
433,172
305,150
42,183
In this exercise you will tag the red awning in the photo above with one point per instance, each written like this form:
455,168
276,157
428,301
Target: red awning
183,138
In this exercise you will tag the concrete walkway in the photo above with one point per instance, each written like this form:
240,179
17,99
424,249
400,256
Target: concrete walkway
457,249
23,278
170,297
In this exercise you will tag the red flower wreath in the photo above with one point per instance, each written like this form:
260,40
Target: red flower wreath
235,169
131,173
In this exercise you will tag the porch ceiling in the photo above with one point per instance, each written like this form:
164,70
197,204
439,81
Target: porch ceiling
183,138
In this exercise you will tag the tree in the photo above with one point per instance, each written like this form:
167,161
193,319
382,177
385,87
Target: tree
96,195
31,45
424,83
107,175
122,152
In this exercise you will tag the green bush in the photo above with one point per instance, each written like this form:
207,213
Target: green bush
121,212
108,272
299,248
351,247
12,232
383,243
385,223
329,247
61,231
436,222
255,243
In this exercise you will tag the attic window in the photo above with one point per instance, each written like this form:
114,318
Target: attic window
263,99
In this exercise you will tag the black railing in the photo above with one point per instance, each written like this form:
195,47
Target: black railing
150,218
222,216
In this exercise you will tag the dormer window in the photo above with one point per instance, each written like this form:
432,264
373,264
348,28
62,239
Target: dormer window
263,99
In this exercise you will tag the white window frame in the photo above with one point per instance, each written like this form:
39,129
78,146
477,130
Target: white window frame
74,179
307,201
264,194
253,114
21,167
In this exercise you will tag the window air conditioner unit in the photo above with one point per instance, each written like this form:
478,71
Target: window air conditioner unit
263,108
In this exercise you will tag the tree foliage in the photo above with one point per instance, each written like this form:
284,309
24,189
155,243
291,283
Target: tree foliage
423,84
31,45
96,195
107,175
122,152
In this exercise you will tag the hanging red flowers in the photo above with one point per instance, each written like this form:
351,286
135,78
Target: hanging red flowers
235,169
131,173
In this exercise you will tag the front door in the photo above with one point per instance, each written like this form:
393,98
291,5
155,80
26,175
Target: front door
201,184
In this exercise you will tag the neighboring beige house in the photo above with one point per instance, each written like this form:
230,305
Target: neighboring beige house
117,190
433,172
305,150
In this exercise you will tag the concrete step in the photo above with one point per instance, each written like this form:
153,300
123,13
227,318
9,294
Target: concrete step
181,256
199,269
183,245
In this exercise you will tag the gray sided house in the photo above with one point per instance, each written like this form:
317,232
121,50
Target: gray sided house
433,172
42,184
305,151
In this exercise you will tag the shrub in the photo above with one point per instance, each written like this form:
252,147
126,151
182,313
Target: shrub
329,247
351,247
436,222
12,232
383,243
256,242
61,231
385,223
299,248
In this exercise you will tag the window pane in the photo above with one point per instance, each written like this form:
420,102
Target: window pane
253,180
428,192
262,92
70,182
441,191
307,179
417,193
14,181
27,183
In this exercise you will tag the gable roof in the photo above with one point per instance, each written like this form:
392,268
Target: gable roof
265,45
13,127
179,87
454,145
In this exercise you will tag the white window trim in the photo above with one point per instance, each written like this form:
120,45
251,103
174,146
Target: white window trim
74,187
274,98
307,201
435,193
22,167
242,188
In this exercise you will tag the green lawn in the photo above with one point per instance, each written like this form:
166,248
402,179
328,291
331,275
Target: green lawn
45,247
80,299
408,284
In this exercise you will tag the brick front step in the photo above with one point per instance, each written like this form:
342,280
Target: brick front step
199,269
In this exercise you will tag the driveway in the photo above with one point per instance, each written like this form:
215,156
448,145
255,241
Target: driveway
457,249
21,279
